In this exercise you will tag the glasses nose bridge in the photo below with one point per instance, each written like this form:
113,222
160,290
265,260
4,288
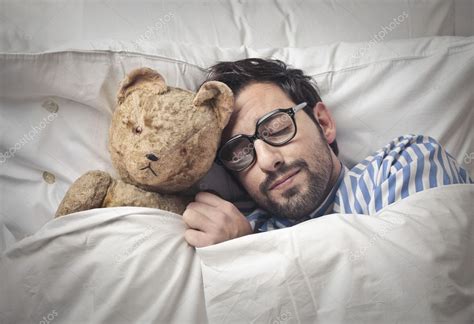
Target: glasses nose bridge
255,137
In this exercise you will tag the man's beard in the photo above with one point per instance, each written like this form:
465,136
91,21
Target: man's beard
296,204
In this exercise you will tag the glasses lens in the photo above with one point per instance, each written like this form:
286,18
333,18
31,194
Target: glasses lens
277,129
237,154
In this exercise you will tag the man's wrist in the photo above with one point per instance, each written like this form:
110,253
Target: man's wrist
247,229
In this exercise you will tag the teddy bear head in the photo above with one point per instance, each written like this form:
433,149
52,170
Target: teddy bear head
165,139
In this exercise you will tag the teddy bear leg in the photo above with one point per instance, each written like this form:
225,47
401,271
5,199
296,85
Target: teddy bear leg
87,192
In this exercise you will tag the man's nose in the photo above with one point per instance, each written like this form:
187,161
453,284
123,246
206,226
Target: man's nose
268,157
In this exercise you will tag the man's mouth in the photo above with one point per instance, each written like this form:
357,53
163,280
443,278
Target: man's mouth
284,180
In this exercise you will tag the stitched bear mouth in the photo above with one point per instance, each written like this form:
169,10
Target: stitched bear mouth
149,167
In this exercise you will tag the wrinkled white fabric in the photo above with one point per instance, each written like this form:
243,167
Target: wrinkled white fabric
410,263
36,26
111,265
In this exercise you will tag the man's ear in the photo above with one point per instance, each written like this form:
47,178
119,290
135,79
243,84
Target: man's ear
324,117
143,78
218,97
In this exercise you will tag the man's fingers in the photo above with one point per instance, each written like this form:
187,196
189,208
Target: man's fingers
215,201
209,198
195,219
197,238
202,208
212,219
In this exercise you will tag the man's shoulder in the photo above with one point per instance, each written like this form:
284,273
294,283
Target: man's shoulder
406,165
399,153
405,142
406,146
409,154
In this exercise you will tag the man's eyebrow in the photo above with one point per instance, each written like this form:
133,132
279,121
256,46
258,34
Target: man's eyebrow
251,129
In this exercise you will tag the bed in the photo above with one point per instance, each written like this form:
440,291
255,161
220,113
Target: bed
383,69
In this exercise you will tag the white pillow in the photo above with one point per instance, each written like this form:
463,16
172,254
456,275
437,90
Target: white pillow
376,91
376,94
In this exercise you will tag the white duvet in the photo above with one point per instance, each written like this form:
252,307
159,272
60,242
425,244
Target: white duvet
411,263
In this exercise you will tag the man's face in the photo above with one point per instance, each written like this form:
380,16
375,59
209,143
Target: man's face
306,161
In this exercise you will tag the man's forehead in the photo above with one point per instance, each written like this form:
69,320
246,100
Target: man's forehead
252,103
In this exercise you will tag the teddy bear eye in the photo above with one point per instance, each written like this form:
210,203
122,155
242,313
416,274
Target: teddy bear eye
137,130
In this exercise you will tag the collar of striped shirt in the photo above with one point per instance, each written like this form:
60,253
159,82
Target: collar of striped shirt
261,220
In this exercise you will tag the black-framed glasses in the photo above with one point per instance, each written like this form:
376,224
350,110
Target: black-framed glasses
276,128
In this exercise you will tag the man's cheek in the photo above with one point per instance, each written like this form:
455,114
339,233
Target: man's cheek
252,186
246,179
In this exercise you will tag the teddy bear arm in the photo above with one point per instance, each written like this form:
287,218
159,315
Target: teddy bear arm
86,193
125,194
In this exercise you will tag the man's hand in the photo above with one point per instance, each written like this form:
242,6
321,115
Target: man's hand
213,220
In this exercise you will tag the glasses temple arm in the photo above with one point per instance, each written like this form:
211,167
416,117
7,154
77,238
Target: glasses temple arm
299,106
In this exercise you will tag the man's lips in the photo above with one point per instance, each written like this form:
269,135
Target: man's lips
280,181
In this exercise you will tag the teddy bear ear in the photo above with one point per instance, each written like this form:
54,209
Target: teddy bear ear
219,97
143,78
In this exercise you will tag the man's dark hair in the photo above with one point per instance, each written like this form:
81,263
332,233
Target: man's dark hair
294,83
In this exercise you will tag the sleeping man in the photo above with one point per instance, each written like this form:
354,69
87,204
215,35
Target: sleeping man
280,145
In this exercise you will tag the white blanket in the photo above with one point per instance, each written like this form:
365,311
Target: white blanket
411,263
112,265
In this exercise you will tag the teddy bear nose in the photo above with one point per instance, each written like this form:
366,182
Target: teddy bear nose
151,157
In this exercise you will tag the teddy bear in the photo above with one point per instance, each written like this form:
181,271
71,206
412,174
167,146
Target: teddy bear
162,141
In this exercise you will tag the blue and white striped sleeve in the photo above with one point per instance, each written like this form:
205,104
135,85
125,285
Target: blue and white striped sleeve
407,165
259,221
